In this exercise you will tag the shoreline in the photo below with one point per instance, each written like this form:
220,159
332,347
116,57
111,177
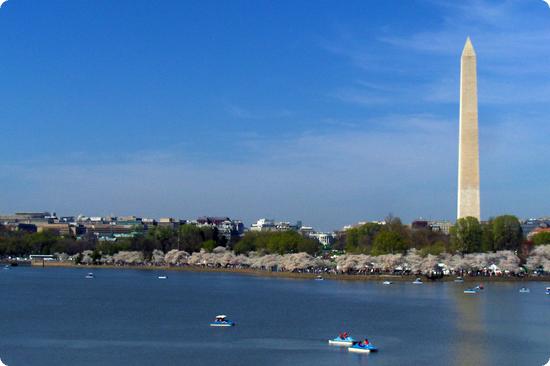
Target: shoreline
298,275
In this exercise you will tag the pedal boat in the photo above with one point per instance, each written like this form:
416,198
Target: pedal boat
222,321
361,347
342,340
90,275
547,291
418,281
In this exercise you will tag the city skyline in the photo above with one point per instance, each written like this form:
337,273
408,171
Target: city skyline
267,111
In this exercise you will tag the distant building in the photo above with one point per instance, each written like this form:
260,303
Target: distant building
420,224
62,229
531,224
168,222
27,228
27,218
442,226
102,230
230,229
306,230
263,225
271,225
326,239
361,223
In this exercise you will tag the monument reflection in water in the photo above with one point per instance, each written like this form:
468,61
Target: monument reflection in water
470,347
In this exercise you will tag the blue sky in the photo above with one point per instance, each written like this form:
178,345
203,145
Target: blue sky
329,112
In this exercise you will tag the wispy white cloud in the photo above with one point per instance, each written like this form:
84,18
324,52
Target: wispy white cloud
360,96
508,36
240,112
407,165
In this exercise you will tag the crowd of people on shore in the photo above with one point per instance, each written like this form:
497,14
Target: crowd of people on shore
500,263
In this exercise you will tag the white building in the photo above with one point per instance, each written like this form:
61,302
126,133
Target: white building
263,225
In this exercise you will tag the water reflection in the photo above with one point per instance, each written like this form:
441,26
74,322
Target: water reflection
471,338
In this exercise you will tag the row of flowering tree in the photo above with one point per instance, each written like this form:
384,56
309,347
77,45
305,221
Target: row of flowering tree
494,263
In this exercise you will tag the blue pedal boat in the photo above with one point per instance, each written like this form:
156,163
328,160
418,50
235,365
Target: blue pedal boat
362,347
343,340
222,321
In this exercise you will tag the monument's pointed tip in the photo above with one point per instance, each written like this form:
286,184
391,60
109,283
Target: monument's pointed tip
468,48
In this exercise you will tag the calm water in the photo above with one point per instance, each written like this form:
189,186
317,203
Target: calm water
125,317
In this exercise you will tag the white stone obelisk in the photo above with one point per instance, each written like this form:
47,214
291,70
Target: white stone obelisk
468,150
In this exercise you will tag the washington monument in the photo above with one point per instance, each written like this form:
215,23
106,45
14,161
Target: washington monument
468,148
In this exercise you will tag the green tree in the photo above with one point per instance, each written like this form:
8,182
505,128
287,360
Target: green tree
542,238
389,242
466,235
96,256
277,242
360,239
246,244
507,233
209,245
191,238
487,237
164,238
434,249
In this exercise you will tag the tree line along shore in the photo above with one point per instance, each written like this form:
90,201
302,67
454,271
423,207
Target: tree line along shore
493,248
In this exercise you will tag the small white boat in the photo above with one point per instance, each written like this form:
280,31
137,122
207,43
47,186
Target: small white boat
319,278
470,291
222,321
547,291
418,281
2,364
387,282
162,277
343,340
524,290
459,279
90,275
